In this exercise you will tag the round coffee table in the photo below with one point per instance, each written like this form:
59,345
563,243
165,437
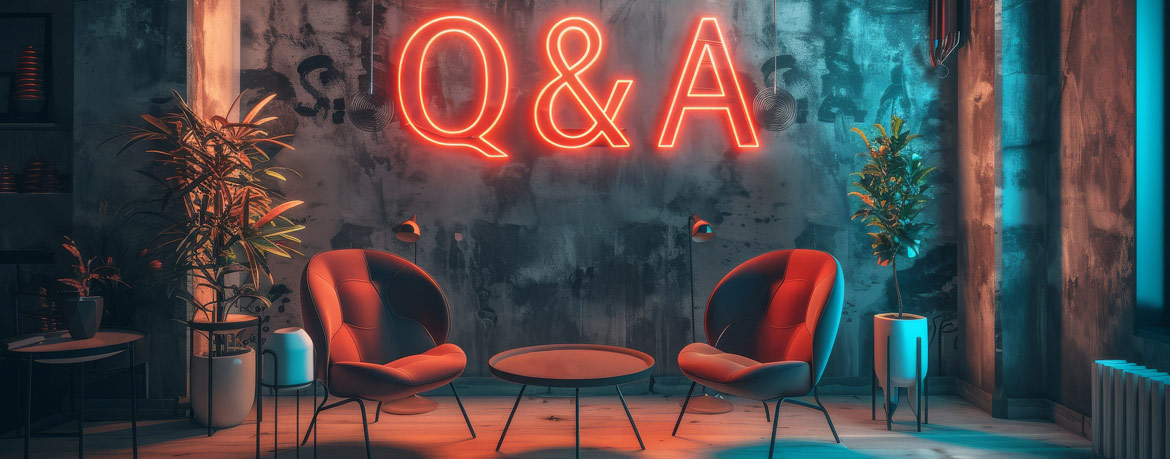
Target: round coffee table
571,365
58,348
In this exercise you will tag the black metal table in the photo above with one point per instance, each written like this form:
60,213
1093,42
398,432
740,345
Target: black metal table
575,366
59,348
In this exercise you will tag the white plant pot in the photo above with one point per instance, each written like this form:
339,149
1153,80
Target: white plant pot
903,334
294,357
233,386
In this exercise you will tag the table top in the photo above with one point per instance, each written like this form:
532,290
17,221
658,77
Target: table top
59,345
571,365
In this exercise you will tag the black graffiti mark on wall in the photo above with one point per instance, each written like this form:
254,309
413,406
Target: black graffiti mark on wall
940,327
327,74
792,79
842,82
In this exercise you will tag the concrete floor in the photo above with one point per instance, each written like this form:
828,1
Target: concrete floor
543,428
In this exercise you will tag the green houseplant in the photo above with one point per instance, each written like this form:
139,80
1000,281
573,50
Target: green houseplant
224,217
893,188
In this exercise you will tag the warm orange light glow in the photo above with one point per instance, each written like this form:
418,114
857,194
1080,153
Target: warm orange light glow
412,99
708,52
569,78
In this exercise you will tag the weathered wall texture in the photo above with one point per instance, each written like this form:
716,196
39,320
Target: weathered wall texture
978,179
590,246
1097,196
129,55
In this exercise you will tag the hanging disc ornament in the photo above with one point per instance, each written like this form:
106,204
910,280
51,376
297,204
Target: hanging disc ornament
371,110
775,108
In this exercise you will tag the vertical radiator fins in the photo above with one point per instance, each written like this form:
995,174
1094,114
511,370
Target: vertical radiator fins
1131,413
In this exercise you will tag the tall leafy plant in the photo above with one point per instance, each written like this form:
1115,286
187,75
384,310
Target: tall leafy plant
893,189
224,213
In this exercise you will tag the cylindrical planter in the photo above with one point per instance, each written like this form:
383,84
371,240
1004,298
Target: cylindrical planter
83,315
233,387
903,337
293,362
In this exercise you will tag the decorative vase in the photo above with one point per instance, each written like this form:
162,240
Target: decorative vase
84,315
233,387
294,358
903,335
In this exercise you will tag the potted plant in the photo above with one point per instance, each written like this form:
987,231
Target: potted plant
83,312
893,189
224,218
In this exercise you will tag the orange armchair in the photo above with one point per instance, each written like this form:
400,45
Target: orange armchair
379,326
771,323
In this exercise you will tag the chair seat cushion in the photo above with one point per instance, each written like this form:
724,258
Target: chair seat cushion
400,378
744,377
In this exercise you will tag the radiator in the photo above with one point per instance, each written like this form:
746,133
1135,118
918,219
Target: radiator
1131,413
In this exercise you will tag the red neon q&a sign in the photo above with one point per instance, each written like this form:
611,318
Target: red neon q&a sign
706,83
493,95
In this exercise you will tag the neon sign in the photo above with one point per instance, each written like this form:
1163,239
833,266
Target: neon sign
707,59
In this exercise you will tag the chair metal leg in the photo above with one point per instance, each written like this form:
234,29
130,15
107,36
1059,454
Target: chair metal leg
461,409
510,415
577,419
313,422
817,397
80,411
684,409
27,404
133,403
365,427
378,413
766,416
631,417
775,423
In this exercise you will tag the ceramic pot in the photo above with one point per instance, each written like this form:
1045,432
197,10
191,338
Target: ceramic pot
294,354
233,386
84,315
903,335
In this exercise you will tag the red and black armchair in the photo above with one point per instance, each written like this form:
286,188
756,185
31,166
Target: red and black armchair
379,326
771,322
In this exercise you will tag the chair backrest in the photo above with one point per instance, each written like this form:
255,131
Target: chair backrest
782,305
370,306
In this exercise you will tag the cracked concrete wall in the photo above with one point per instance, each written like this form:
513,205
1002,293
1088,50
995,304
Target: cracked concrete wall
590,246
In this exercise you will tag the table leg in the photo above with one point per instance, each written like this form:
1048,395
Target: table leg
133,404
27,404
510,415
628,415
577,418
81,411
298,423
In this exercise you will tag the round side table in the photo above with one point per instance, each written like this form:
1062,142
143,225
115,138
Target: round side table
61,349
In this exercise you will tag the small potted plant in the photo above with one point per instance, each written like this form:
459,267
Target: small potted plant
893,189
84,312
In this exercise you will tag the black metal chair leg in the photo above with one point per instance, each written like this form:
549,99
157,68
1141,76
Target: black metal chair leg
313,422
631,417
378,413
775,422
577,419
510,415
766,416
684,409
365,428
80,411
133,403
817,397
463,410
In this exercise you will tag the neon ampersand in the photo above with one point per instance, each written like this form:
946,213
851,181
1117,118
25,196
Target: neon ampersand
413,102
708,52
568,80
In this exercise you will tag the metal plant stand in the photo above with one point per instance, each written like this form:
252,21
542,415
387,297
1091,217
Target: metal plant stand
234,322
922,414
276,388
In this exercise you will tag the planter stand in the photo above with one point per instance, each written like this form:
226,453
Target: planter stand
276,388
922,415
234,323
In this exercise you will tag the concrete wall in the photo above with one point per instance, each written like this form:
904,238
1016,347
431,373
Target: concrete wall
590,246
